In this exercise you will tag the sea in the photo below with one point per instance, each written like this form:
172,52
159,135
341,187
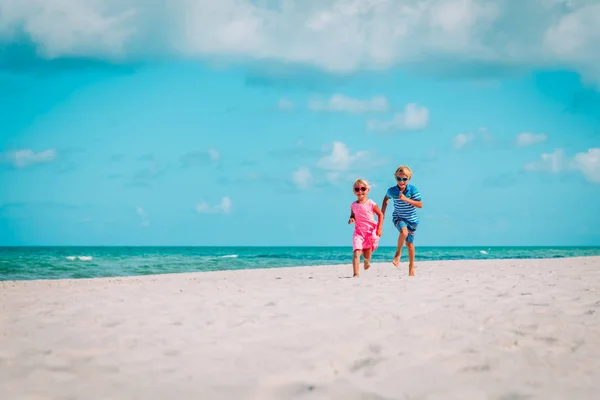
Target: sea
29,263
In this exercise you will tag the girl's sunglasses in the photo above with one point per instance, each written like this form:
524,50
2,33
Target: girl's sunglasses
360,189
401,179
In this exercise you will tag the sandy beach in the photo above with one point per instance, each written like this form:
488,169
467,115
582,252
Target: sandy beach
510,329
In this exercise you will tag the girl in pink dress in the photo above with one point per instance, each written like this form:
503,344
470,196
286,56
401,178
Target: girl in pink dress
366,230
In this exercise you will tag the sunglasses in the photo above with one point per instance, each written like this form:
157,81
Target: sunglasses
360,189
401,179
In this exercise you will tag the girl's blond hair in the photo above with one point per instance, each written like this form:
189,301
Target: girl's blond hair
403,169
361,181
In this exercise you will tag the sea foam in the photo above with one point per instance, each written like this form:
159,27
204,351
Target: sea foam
81,258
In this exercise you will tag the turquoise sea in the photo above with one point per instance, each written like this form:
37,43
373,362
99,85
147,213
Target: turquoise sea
25,263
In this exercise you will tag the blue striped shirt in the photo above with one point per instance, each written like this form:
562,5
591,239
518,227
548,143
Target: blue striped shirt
403,210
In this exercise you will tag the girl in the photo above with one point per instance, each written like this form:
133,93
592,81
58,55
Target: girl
366,231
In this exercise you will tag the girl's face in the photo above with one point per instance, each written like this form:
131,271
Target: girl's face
361,191
402,181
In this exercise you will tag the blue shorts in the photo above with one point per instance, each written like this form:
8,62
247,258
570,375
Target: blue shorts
411,227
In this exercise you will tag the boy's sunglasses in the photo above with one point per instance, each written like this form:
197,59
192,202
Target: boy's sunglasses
401,179
360,189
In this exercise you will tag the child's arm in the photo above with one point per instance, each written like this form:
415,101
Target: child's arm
416,203
384,204
379,213
351,220
415,199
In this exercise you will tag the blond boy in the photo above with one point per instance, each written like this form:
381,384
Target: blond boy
406,200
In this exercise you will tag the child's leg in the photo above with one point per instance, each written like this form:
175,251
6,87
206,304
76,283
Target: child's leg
401,238
357,247
410,245
411,258
367,258
356,262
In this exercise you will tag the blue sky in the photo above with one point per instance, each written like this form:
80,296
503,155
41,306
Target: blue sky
245,123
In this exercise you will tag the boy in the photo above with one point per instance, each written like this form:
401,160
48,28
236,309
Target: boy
406,201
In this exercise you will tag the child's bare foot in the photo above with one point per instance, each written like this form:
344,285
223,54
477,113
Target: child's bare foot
367,264
411,270
396,260
356,276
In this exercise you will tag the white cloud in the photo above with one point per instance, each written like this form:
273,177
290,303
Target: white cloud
589,164
414,117
334,35
285,104
214,154
339,102
341,159
203,207
144,221
483,135
302,177
63,28
224,207
574,37
529,139
552,162
26,157
461,140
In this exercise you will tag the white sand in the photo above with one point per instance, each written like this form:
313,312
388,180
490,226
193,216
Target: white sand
510,329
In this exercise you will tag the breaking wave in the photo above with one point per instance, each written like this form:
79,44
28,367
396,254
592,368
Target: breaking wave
80,258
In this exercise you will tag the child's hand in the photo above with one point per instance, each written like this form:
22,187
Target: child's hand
379,232
350,221
402,197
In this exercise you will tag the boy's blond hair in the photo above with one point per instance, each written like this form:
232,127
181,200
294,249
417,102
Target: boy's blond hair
403,169
361,181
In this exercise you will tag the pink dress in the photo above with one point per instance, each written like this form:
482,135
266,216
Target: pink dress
365,227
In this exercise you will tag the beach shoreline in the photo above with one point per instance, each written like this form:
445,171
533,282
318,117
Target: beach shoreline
472,329
29,263
403,265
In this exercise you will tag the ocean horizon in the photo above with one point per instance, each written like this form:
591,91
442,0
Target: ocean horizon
75,262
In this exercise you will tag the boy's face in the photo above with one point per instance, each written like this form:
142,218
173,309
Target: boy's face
360,191
402,180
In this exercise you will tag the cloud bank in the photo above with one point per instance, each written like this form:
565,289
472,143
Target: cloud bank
587,163
338,36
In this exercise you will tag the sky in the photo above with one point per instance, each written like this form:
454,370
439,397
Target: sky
243,123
